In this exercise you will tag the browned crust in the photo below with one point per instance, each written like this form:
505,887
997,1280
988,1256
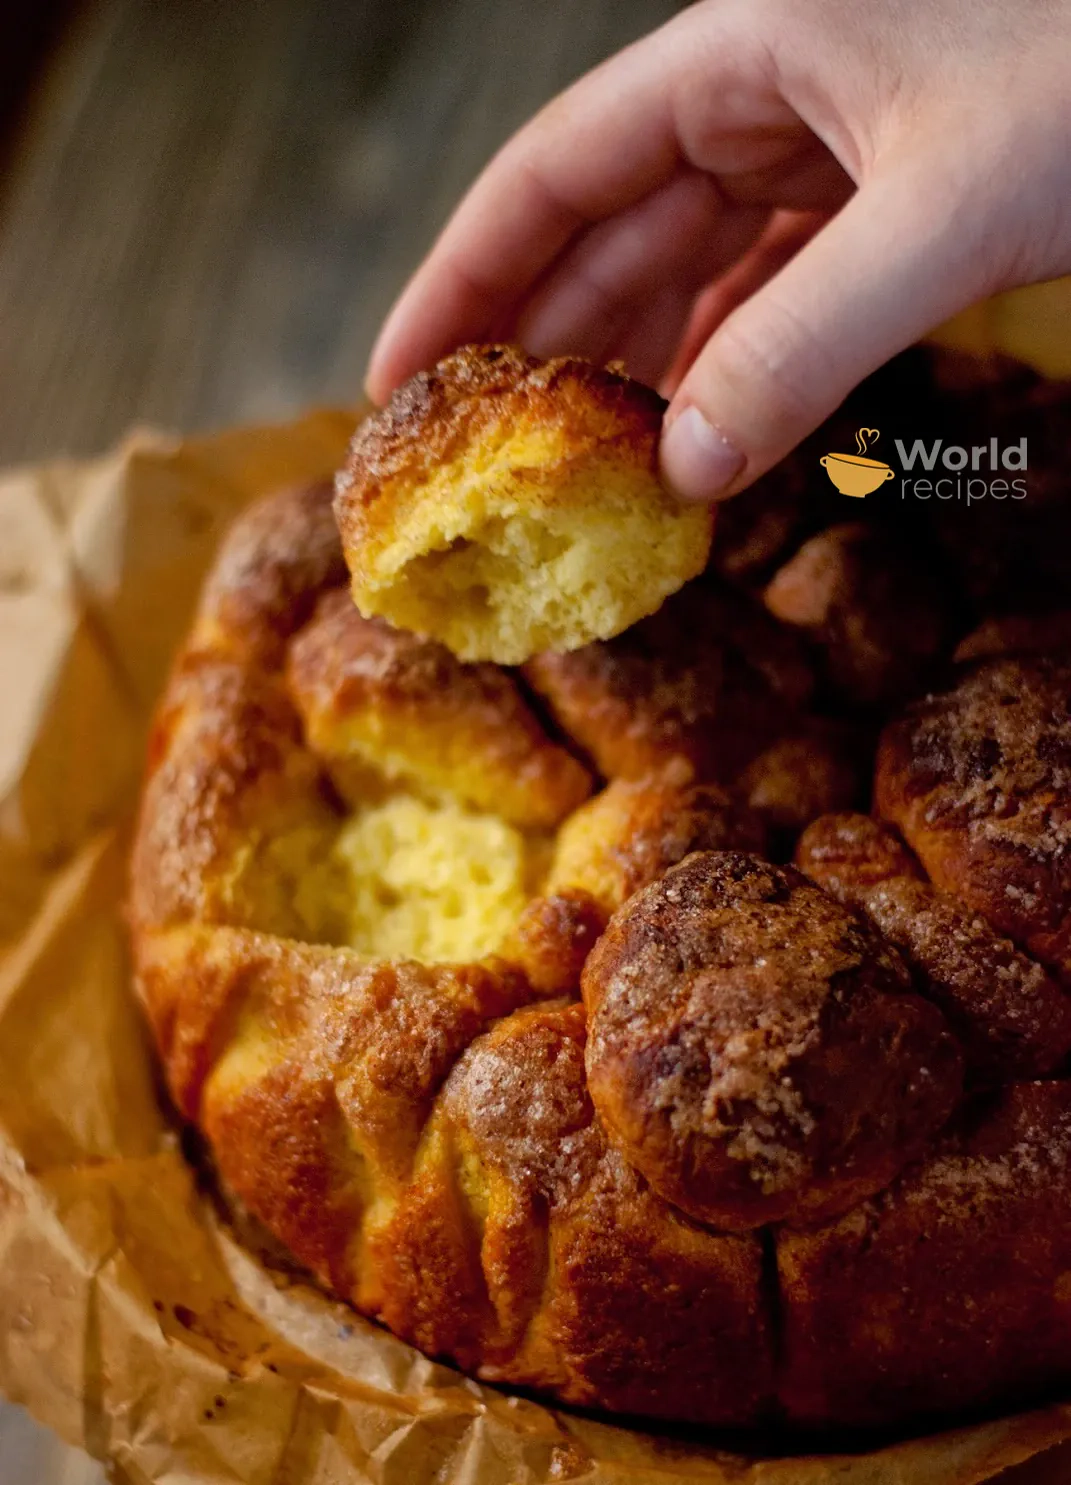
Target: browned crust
949,1290
706,682
871,608
553,938
1013,1019
635,830
846,853
462,729
357,1054
585,1268
275,561
1047,633
818,766
226,763
659,1316
756,1050
439,413
977,780
752,536
225,755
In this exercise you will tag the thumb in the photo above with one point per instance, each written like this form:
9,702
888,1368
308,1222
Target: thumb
902,256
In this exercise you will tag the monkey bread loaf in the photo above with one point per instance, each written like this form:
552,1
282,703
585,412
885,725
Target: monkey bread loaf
494,993
505,505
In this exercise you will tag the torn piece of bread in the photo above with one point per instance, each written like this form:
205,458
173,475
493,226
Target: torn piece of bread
505,506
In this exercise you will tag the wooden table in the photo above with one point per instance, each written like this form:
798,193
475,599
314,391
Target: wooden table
212,202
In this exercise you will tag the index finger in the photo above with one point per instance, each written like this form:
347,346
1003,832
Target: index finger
599,147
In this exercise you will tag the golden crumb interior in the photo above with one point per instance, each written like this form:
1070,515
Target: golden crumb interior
497,567
401,878
431,881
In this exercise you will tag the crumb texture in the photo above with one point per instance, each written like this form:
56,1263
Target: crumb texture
505,505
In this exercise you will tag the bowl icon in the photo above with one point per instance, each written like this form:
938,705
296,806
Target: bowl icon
854,475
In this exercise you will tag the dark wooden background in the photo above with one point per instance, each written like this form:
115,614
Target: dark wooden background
206,206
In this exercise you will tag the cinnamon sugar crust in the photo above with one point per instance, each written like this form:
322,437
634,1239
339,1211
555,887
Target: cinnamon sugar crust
978,781
695,691
872,609
378,700
504,505
950,1289
1012,1017
635,830
490,1009
757,1050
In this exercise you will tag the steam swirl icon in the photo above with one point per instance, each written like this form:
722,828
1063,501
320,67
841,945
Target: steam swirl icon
855,474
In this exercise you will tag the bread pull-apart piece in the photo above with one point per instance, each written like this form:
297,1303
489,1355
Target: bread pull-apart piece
275,561
234,814
552,938
562,1268
873,611
978,781
380,705
239,826
1012,1017
696,690
756,1050
635,830
505,505
313,1073
949,1291
753,537
817,766
624,838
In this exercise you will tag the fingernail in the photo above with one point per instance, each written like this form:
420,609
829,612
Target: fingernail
698,462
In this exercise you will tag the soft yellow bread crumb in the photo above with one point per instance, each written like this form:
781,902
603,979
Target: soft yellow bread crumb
506,506
402,879
432,882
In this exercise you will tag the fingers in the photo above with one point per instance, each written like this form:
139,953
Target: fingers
687,95
600,147
647,341
905,253
612,284
785,233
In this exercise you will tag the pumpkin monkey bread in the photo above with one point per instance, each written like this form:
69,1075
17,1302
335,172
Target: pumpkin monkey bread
492,1007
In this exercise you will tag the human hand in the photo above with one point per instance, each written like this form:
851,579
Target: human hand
759,204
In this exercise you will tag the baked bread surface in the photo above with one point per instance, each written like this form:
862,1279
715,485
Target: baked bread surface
505,505
492,1007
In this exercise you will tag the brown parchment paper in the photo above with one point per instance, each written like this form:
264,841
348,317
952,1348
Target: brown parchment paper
131,1321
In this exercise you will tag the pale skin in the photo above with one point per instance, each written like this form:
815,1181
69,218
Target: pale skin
759,204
